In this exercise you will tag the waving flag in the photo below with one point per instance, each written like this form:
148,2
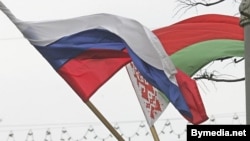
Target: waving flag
86,51
152,101
197,41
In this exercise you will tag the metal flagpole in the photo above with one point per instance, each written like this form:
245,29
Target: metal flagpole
244,9
154,133
104,121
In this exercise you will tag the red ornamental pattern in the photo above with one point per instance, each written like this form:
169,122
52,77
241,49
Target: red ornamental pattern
148,93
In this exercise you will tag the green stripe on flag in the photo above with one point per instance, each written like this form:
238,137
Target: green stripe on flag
194,57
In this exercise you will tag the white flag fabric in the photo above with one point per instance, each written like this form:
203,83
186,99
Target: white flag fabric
74,46
152,102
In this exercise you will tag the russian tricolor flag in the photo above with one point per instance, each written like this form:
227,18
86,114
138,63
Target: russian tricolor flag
86,51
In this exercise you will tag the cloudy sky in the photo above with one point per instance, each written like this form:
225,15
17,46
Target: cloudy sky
33,97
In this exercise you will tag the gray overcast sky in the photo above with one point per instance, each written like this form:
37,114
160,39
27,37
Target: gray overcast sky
32,93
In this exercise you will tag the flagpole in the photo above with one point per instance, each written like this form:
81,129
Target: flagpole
244,9
154,133
104,121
